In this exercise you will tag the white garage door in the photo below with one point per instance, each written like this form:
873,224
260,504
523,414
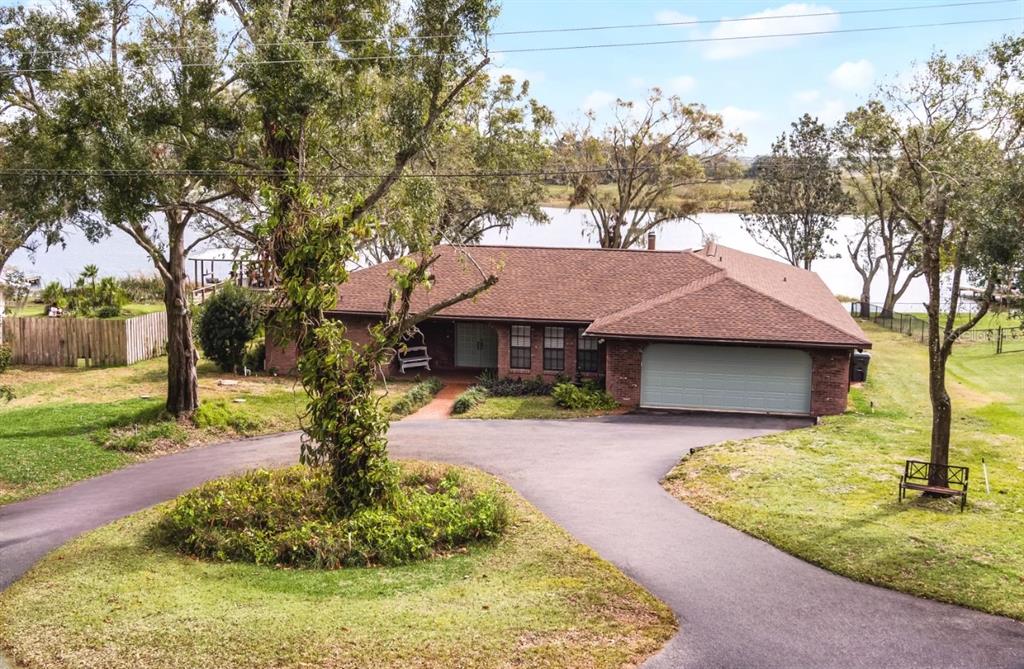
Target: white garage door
725,378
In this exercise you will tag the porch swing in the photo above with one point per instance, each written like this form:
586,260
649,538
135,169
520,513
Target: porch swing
414,357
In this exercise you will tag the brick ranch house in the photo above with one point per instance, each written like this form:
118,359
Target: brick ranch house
712,329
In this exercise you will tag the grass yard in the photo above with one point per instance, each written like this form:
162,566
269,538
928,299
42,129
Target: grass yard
989,321
59,428
34,310
829,494
527,407
535,598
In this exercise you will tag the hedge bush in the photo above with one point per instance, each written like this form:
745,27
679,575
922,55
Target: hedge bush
417,396
6,355
511,387
228,321
473,396
284,517
586,396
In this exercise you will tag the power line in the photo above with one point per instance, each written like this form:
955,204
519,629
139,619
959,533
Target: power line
810,33
693,40
45,172
622,26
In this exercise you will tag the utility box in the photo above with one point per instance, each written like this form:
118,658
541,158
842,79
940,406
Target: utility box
859,366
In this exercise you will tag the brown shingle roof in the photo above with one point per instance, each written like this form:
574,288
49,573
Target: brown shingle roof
713,294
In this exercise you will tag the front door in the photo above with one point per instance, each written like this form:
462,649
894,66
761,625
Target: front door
476,345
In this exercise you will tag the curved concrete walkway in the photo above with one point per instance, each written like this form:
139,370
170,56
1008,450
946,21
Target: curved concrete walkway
740,602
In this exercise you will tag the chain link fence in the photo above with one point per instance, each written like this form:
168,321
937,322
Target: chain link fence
1005,339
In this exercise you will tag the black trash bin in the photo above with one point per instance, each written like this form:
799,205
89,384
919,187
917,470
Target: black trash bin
859,366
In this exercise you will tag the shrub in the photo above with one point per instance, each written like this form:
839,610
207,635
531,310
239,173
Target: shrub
54,295
256,357
227,323
511,387
586,396
143,288
6,355
220,415
284,517
141,438
470,398
416,397
88,298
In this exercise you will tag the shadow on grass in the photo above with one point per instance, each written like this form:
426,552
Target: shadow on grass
71,420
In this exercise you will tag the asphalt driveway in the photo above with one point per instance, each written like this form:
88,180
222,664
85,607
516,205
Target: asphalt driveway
740,602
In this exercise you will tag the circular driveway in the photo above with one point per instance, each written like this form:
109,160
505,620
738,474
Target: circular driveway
739,601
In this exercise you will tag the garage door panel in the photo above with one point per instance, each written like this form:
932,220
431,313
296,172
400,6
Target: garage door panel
726,378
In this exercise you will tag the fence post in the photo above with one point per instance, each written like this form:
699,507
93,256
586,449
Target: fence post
999,340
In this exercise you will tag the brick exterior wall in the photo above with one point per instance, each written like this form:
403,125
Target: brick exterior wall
571,332
621,362
283,359
622,370
830,381
830,376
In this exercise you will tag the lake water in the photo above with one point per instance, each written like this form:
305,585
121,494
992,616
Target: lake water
118,255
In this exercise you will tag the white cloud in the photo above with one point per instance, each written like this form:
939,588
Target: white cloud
637,82
736,118
672,16
680,85
853,75
741,37
598,101
803,97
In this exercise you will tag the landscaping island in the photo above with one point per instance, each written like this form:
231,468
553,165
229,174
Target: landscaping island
828,494
532,598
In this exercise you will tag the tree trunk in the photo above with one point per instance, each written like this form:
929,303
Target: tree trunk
182,379
942,408
865,300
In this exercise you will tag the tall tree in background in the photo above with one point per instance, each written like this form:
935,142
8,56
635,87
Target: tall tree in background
154,123
797,195
628,174
314,66
496,129
867,154
35,201
957,143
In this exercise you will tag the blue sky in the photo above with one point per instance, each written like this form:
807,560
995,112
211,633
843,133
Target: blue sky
759,86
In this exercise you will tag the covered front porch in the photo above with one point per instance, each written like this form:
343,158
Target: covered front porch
466,348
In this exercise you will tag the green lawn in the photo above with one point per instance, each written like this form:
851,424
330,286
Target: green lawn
129,310
53,433
535,407
829,494
536,598
989,321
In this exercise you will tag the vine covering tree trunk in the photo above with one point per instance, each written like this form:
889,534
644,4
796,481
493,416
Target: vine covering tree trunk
297,80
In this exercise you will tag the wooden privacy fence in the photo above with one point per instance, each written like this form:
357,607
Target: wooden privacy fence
63,342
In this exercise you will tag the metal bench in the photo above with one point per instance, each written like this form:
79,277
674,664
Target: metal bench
414,357
918,475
